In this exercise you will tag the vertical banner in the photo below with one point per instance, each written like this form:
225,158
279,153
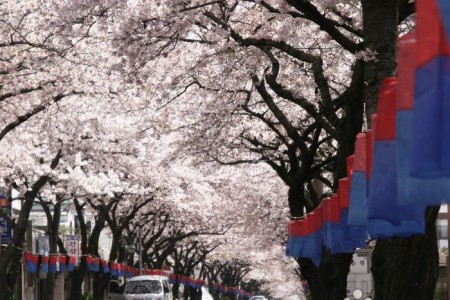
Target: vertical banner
5,228
43,245
43,251
72,247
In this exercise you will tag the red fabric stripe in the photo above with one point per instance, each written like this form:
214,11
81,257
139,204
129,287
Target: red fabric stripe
407,51
350,160
335,210
430,32
343,193
359,162
386,110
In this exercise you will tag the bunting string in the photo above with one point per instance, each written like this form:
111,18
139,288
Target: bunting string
61,263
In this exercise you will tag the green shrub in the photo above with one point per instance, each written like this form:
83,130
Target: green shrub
440,294
88,296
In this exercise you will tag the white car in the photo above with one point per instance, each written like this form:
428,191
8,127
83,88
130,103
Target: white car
258,298
148,287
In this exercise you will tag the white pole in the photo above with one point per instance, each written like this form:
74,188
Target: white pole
140,250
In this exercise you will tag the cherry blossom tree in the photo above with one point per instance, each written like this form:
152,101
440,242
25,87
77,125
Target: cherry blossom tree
296,126
89,88
276,62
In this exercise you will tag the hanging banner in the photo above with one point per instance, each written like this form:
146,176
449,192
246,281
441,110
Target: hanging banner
43,245
5,227
72,247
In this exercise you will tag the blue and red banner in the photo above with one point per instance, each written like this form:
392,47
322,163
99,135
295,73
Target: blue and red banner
357,212
95,264
105,268
53,263
62,263
115,269
412,190
31,261
89,263
44,264
71,265
386,216
430,121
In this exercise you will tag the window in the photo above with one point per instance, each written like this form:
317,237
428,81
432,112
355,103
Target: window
143,287
442,229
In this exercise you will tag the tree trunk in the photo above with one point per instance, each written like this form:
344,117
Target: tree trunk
296,199
9,266
329,280
101,281
380,19
76,281
100,285
49,286
407,268
176,291
186,293
53,229
351,122
77,277
195,294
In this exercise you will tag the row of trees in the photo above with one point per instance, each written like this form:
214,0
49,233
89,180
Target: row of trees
162,239
284,83
165,243
73,131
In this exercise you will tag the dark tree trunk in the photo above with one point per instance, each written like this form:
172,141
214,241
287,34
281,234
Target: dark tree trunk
101,281
329,280
49,286
407,268
77,277
380,19
195,294
9,266
100,285
185,292
52,228
351,123
76,281
176,291
295,199
18,286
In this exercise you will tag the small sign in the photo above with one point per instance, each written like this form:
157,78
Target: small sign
359,265
72,247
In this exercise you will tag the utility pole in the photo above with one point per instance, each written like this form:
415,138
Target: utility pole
140,249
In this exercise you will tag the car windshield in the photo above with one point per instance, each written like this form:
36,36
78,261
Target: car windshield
143,287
